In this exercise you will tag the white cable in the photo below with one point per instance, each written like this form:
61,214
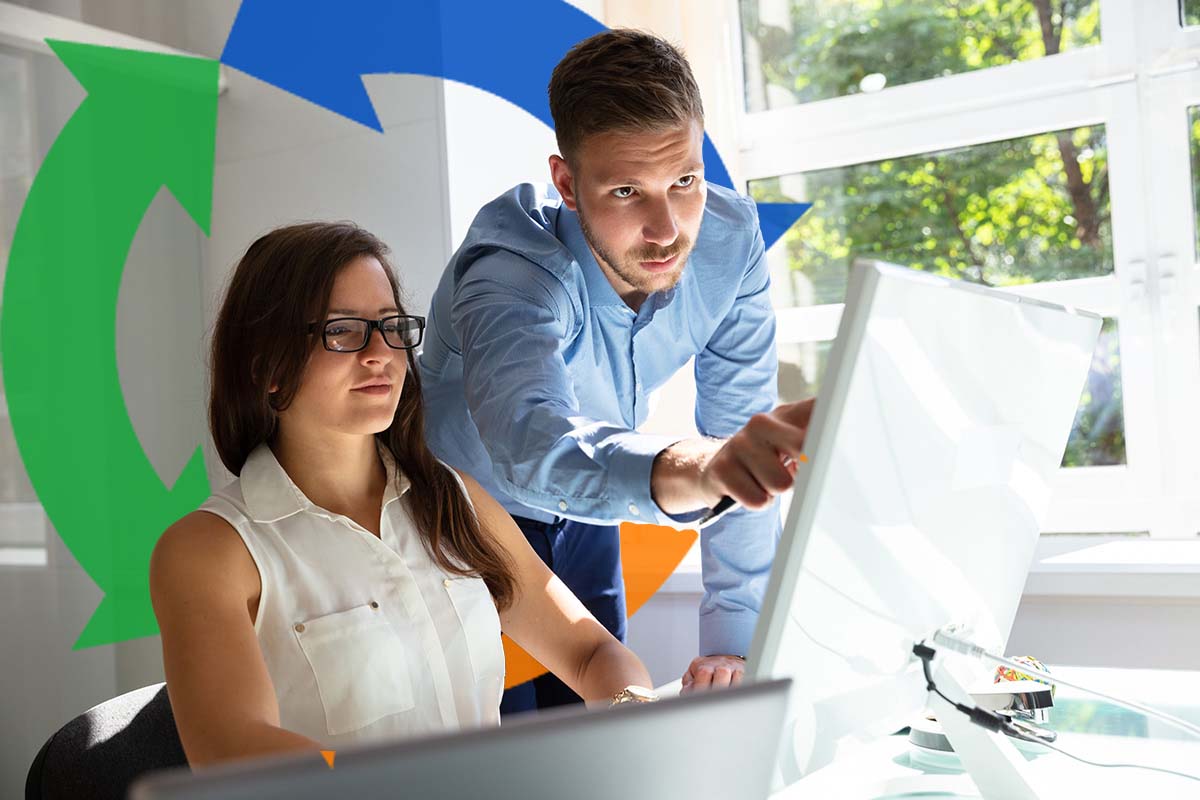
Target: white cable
1105,764
951,642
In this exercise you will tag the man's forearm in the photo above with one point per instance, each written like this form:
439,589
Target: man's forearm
675,478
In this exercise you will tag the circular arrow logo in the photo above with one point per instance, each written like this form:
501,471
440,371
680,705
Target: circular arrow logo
148,120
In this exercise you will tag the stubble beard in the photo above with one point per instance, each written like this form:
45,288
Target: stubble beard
630,270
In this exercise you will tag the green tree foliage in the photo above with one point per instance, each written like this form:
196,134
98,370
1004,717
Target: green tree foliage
999,214
1004,213
1191,12
833,44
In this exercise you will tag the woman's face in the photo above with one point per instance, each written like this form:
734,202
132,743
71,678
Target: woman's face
330,394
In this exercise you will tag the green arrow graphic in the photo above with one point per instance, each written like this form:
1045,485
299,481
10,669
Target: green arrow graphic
148,120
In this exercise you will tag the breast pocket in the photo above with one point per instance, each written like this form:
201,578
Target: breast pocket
360,666
481,627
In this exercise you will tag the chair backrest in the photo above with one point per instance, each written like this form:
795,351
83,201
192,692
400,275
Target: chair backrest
103,750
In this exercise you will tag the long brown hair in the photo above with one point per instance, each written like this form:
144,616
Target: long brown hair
282,283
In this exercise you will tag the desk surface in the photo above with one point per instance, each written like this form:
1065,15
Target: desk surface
1088,727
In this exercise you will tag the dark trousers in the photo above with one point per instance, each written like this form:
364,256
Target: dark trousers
587,558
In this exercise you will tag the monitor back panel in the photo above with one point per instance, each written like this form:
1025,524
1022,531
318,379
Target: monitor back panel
719,744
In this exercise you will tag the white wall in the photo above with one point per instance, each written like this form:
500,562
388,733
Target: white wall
1105,631
491,146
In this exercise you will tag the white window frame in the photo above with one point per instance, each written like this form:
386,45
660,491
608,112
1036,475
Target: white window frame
1138,83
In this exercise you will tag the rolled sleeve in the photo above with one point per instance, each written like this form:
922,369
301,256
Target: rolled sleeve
633,462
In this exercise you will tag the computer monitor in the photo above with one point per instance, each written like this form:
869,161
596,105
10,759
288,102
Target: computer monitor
941,420
718,744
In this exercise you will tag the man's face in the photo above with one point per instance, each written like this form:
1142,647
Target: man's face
640,198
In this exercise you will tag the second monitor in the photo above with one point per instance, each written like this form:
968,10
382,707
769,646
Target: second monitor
940,424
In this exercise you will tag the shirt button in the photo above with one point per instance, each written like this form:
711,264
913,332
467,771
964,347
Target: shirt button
562,505
299,627
374,604
633,509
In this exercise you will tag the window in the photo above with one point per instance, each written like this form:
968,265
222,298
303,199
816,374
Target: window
22,522
805,50
801,367
1002,214
1190,12
1039,146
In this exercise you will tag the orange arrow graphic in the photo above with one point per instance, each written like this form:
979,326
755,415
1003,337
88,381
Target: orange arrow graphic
328,755
649,554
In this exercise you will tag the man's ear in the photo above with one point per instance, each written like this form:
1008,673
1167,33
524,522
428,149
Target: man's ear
564,181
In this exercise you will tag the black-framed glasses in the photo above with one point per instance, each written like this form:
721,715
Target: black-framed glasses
351,334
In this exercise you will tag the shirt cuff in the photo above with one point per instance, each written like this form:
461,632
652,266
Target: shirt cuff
727,633
632,464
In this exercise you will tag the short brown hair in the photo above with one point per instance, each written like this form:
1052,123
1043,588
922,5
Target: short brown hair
621,80
283,283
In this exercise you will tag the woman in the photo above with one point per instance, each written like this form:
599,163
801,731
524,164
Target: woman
348,585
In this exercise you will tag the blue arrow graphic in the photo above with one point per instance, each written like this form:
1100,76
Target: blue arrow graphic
774,219
319,51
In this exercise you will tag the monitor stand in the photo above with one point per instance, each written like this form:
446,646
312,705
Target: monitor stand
988,757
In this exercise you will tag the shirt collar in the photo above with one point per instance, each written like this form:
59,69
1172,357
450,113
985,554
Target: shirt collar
570,232
271,495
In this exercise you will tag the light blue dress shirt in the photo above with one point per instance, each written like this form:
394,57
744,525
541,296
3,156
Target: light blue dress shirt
537,375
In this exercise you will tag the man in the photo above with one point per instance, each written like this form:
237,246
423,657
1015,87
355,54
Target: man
563,309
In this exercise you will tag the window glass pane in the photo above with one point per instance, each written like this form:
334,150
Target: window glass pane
801,367
801,50
1189,12
1003,213
22,529
1194,146
1098,435
1097,438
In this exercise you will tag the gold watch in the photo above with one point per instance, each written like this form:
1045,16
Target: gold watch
634,694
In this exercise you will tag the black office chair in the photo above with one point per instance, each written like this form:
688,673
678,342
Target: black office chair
101,752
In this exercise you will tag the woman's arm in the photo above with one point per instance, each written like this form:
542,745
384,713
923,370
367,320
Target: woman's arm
205,589
549,622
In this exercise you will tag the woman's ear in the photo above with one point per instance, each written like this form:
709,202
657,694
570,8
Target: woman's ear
254,375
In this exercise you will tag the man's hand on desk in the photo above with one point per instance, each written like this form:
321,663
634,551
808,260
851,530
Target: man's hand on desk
713,672
752,466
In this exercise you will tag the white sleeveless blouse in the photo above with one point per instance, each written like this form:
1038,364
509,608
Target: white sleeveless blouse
364,637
